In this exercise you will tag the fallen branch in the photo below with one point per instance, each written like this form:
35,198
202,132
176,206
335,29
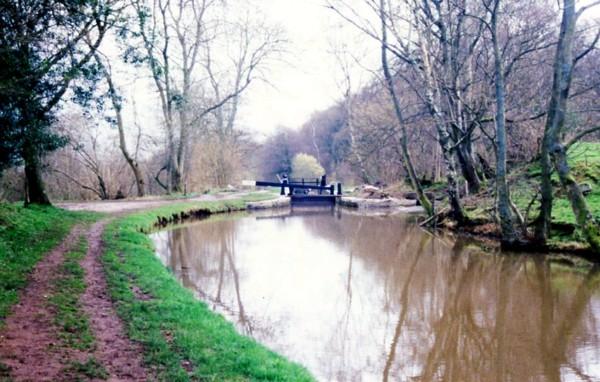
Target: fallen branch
434,217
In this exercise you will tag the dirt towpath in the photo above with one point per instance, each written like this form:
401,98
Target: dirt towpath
29,343
29,346
131,205
120,356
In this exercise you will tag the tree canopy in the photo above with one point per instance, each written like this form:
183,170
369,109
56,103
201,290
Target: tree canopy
45,47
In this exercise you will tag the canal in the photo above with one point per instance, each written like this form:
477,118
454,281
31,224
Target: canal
376,298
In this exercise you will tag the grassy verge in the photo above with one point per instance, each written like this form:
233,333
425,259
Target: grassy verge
182,338
26,234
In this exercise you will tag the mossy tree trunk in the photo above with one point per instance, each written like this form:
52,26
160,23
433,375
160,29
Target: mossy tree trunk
509,234
563,71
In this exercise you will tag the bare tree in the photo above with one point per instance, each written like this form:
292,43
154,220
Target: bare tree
176,34
389,82
173,33
509,234
554,153
250,47
117,104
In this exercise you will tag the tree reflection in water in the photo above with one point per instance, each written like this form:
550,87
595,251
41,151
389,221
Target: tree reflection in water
376,298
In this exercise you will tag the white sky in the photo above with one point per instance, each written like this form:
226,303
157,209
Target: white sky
308,81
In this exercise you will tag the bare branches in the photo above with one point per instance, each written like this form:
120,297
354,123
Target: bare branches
585,8
580,135
591,47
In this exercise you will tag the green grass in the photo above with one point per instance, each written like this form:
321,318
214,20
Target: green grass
172,325
72,322
584,160
26,234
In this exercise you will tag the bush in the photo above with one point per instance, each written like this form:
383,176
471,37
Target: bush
306,166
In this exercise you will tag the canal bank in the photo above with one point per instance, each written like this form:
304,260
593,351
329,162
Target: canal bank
182,338
178,338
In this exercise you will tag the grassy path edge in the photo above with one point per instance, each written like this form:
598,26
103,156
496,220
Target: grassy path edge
182,338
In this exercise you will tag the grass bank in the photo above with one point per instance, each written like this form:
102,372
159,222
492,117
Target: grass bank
26,234
183,339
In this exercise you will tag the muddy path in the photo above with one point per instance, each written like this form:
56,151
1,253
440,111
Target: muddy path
29,342
121,357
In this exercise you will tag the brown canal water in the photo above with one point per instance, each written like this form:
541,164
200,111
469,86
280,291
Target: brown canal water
371,298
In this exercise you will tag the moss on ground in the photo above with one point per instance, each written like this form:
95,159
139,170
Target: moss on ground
584,160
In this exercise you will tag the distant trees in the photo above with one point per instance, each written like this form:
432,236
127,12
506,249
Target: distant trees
45,47
90,166
306,166
177,41
276,154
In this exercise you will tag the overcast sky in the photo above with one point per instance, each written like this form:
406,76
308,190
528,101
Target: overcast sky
308,80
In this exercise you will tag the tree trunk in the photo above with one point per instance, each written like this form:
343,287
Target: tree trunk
444,139
178,170
34,192
563,70
133,164
544,219
406,157
467,165
509,234
176,180
103,190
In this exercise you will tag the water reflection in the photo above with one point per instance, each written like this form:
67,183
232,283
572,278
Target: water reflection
358,298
